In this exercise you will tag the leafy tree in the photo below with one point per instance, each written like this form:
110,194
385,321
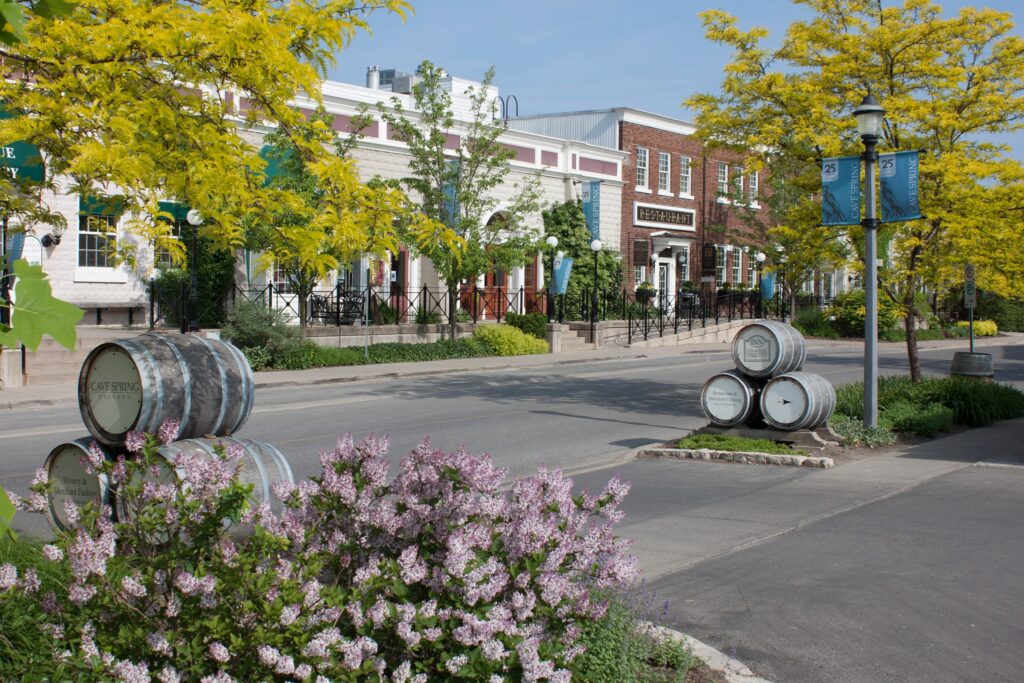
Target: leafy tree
567,222
456,185
145,100
945,84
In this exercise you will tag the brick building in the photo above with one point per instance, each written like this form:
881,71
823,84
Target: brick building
676,197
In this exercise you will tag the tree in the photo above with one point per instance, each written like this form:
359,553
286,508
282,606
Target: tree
567,222
456,185
945,84
145,100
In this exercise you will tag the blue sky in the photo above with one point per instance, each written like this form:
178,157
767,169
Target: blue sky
569,55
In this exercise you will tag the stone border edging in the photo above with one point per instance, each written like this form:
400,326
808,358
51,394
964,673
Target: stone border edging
742,457
734,670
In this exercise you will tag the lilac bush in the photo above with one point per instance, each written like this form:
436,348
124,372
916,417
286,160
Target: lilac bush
434,574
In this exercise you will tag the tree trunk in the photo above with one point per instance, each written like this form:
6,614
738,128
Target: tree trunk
453,321
910,327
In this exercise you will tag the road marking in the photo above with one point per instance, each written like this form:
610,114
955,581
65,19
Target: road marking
47,430
323,403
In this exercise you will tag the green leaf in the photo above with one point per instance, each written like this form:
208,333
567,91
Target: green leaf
14,16
48,9
6,515
36,312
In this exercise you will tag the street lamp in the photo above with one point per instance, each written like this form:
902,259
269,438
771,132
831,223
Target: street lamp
552,242
760,258
595,246
195,219
870,117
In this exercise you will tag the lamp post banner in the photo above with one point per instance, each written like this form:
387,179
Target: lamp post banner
562,270
897,173
591,196
840,191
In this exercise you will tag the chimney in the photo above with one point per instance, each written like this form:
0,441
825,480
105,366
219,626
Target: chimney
373,77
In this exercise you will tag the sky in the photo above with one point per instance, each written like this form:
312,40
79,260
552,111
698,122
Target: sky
573,55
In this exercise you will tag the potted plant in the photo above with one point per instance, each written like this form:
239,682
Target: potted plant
645,293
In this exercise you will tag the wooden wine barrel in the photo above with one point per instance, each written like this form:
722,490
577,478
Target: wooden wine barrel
798,400
135,384
262,465
977,365
730,398
768,349
69,481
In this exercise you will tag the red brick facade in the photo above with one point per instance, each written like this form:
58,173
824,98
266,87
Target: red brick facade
671,224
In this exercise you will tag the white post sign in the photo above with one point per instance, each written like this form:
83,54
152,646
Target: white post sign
970,291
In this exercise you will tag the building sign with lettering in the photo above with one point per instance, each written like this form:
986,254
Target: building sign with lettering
654,216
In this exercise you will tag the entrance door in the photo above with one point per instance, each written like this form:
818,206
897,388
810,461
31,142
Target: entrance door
663,290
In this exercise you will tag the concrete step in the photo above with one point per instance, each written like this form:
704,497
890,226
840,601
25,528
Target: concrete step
47,378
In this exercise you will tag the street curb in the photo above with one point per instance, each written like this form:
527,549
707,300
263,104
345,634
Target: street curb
734,670
740,457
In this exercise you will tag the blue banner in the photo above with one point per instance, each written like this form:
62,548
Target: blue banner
451,197
840,191
591,196
767,286
563,268
897,173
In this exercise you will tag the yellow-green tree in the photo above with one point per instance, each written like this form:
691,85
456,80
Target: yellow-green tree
145,99
946,84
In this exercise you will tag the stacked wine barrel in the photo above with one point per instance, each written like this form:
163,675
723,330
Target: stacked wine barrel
768,388
134,385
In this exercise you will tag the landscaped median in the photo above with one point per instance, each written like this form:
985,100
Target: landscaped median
738,450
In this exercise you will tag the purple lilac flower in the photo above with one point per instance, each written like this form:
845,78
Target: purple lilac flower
8,576
134,441
168,431
218,652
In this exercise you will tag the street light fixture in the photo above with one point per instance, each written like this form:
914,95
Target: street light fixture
595,246
552,242
870,119
195,219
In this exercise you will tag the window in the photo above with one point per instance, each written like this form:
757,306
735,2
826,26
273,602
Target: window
737,258
737,183
641,167
282,283
751,268
684,265
723,179
97,240
639,274
684,176
752,187
720,265
175,217
664,171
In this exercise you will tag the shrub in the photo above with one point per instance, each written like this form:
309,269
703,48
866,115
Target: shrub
425,317
814,323
331,356
533,324
1008,314
22,622
508,341
259,357
928,420
433,574
982,328
301,356
849,312
974,403
854,433
463,316
252,325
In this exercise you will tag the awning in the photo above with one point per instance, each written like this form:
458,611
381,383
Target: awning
99,205
274,161
177,211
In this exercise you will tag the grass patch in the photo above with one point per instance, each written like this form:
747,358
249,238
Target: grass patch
24,644
737,444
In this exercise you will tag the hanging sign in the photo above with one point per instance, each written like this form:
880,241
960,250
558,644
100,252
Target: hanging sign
840,191
563,269
970,289
591,196
897,173
21,160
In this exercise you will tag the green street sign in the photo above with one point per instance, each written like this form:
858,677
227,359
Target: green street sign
970,290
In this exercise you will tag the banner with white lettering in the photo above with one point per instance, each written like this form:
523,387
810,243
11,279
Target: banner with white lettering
591,196
897,173
840,191
563,269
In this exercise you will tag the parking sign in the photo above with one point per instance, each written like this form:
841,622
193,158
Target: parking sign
970,292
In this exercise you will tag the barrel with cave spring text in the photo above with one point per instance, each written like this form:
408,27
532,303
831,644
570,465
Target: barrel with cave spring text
768,349
135,384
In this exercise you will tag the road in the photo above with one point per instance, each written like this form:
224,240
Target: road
895,567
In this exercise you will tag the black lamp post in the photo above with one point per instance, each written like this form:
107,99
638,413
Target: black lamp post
195,219
595,246
870,117
552,242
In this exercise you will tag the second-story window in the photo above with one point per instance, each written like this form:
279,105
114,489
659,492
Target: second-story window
684,176
723,179
641,167
737,183
664,171
752,187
